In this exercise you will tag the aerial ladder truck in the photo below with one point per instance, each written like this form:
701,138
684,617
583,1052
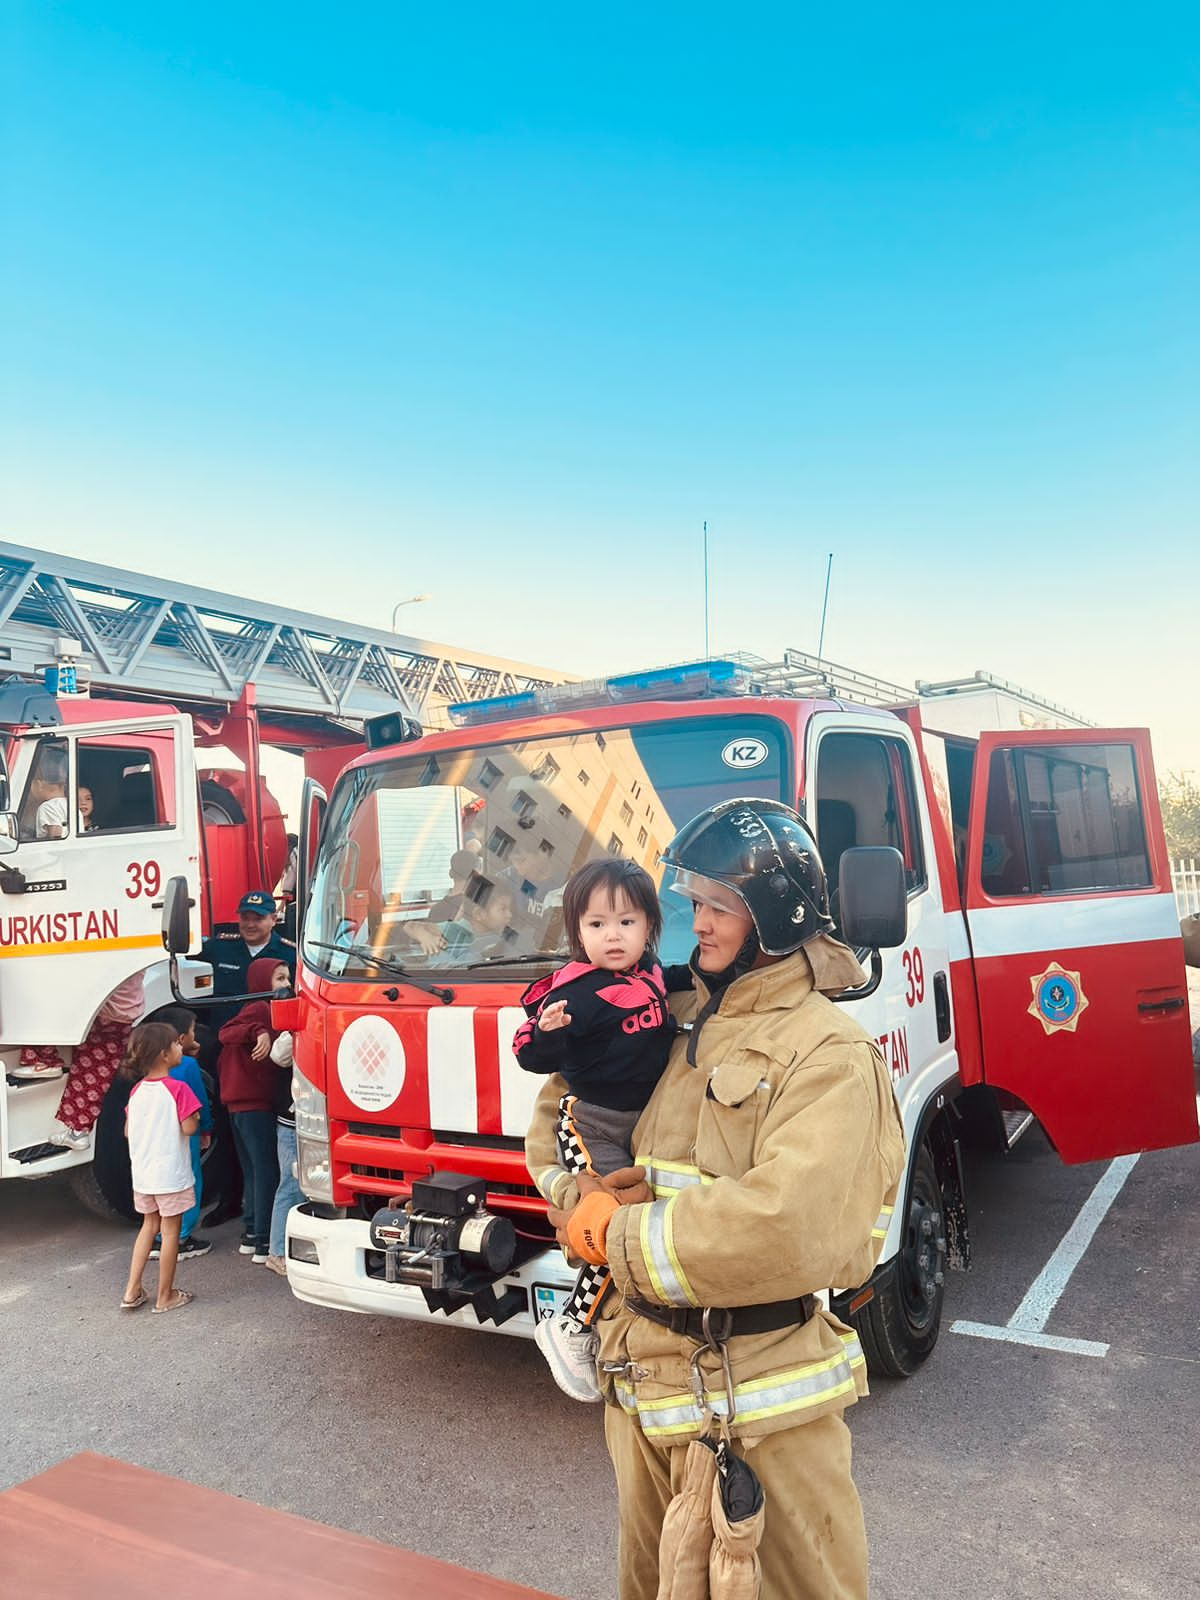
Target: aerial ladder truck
158,699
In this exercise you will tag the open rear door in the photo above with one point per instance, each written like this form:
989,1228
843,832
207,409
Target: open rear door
1077,953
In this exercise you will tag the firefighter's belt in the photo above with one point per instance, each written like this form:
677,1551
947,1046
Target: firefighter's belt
716,1324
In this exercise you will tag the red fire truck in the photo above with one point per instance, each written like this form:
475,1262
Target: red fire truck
1041,972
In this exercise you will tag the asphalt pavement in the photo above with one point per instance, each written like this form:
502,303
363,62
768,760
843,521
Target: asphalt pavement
1001,1469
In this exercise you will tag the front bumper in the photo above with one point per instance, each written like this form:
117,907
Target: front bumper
340,1279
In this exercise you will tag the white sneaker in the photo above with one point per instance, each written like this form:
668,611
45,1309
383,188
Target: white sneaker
69,1139
570,1352
37,1069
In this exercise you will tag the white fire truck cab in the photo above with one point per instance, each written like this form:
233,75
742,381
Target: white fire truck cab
1040,973
134,759
109,800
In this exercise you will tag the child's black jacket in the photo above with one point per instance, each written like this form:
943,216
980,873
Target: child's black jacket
620,1033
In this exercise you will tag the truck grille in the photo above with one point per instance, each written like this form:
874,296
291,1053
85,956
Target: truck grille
479,1141
469,1141
392,1175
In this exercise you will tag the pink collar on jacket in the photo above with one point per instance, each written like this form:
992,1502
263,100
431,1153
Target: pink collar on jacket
631,990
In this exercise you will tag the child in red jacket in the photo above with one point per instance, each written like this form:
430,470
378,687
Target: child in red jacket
247,1077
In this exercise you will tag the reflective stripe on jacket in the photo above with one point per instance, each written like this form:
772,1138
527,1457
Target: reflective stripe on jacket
775,1162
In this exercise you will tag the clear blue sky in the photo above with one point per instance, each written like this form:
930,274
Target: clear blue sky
337,304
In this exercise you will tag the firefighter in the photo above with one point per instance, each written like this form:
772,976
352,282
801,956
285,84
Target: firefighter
231,950
772,1148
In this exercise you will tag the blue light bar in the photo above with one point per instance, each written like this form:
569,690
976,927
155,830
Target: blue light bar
694,680
498,709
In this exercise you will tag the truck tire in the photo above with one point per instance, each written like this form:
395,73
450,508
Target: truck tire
106,1188
92,1198
899,1326
218,806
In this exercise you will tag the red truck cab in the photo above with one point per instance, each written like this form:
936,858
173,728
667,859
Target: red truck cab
1041,975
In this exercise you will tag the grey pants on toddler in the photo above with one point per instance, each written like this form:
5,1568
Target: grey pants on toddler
595,1139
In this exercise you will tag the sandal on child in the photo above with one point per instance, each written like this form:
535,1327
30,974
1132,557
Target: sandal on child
181,1298
134,1305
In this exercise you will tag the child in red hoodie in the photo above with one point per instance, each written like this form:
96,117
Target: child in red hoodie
247,1078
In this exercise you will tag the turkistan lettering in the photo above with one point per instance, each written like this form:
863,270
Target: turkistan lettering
893,1047
60,927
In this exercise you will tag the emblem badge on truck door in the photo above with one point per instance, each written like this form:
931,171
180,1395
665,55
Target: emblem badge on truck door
1058,999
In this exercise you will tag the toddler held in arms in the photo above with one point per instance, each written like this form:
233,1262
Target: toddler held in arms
602,1022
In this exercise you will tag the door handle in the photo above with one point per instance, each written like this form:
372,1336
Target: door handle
941,1006
1159,1007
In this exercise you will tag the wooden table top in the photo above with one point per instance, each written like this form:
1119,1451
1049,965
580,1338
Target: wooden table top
99,1528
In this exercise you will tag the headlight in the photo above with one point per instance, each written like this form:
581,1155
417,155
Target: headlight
314,1166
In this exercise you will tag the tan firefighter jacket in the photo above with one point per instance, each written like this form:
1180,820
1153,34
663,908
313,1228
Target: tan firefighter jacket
775,1161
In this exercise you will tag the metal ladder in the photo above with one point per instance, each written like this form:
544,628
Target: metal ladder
172,640
807,676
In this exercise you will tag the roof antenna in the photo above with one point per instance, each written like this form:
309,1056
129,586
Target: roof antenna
824,608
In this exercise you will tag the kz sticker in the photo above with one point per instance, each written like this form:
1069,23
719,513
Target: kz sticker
1058,999
743,753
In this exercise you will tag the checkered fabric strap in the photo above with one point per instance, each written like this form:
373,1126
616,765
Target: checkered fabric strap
572,1152
592,1284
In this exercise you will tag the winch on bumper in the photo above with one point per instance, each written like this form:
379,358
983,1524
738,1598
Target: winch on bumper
442,1255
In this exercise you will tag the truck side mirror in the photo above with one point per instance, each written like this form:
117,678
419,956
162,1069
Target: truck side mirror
873,897
176,917
10,833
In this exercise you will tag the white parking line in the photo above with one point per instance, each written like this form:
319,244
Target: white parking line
1039,1341
1027,1321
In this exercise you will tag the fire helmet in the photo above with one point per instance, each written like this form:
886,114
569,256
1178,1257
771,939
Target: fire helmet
765,854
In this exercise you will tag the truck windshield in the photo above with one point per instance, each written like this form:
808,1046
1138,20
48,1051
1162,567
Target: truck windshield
456,861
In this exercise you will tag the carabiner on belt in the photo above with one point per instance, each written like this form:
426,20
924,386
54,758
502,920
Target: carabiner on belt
719,1347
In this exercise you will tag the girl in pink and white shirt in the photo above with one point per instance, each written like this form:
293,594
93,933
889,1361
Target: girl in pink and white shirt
162,1114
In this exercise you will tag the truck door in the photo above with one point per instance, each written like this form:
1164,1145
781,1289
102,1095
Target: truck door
864,790
1075,936
108,813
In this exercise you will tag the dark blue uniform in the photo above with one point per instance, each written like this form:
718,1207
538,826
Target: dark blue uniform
230,958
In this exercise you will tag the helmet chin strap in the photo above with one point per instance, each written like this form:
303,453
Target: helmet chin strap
748,954
741,963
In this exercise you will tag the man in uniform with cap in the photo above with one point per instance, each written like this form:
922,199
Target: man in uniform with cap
231,950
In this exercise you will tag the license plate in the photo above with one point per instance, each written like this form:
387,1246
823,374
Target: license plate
547,1300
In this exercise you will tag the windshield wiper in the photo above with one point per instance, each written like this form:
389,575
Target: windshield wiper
518,960
393,968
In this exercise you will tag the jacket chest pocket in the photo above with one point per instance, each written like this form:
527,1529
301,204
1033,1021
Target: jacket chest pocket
735,1102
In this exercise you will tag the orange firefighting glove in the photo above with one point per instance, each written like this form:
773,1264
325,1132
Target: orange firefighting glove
587,1227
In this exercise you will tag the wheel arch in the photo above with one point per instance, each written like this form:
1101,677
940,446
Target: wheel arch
893,1345
938,1126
